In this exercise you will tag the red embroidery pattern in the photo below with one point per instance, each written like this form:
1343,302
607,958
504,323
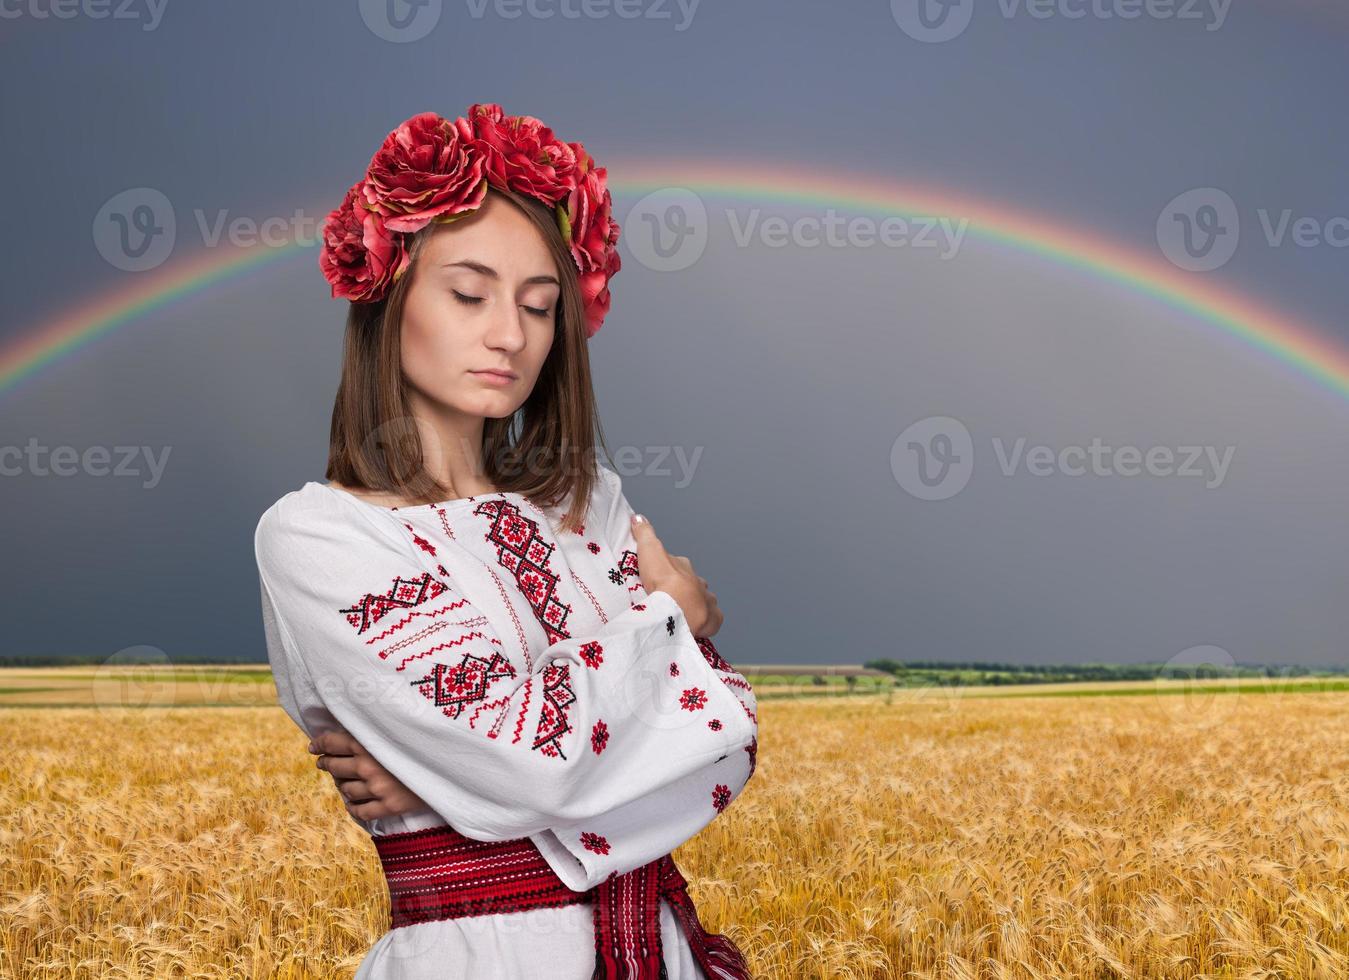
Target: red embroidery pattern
594,842
451,689
711,655
627,565
599,736
593,654
721,796
522,550
715,724
753,749
693,699
674,669
421,542
557,696
403,594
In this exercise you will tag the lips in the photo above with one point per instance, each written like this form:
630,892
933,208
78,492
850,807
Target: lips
505,375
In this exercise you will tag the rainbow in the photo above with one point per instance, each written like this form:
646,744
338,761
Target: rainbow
1228,313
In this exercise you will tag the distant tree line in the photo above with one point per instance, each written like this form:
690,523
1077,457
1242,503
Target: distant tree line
88,660
983,673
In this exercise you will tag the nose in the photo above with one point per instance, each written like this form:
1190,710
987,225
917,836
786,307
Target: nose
506,327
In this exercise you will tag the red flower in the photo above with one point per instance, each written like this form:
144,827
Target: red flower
424,171
693,699
432,170
593,235
520,152
715,724
361,257
593,654
599,737
721,796
594,842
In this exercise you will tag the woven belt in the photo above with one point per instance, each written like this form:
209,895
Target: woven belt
438,873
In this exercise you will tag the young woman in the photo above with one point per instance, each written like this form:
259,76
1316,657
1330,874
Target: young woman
501,659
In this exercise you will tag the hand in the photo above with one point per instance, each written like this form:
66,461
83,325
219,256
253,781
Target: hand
663,572
368,789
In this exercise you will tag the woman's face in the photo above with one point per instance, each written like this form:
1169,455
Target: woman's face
484,298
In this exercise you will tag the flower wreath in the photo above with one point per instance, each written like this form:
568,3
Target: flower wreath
430,169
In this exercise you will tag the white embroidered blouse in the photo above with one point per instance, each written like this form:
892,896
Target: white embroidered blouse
519,679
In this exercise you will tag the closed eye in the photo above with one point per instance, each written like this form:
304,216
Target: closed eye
475,300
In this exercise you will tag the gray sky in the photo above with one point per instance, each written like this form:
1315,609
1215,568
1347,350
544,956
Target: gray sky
787,373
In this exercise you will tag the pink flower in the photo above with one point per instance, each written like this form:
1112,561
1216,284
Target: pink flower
721,797
520,152
360,257
424,171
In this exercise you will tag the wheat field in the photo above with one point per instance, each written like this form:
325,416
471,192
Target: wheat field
930,834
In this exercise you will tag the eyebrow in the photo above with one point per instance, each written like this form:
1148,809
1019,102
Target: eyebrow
491,273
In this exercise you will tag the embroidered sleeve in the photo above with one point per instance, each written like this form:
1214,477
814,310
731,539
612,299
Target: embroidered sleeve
711,694
394,655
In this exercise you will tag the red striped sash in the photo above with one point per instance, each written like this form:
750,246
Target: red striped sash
438,873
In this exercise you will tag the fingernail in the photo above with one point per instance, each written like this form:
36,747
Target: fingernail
638,519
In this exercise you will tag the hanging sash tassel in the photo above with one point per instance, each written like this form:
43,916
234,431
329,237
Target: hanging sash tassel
627,927
438,873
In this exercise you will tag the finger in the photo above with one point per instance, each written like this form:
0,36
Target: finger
355,790
370,810
342,766
652,558
334,742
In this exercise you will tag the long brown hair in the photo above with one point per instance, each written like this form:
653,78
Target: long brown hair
545,450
